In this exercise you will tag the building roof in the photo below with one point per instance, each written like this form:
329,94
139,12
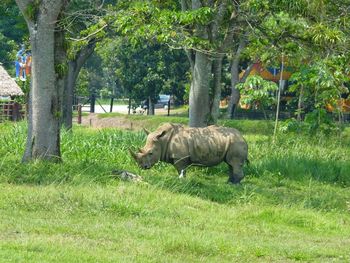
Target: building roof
8,87
272,74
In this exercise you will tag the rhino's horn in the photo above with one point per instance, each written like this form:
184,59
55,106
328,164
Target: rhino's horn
133,154
146,131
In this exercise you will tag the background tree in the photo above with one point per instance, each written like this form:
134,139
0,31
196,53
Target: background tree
145,69
13,32
85,24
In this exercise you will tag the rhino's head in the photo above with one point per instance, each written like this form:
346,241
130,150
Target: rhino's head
151,152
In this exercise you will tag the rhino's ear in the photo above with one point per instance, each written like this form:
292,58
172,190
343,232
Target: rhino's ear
146,131
159,135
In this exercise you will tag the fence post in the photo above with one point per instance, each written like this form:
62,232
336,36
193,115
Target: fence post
169,107
79,113
111,108
15,112
92,103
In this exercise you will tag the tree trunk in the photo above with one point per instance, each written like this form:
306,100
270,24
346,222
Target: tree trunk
300,103
199,108
150,107
27,151
74,67
61,67
44,130
206,70
216,91
235,94
129,107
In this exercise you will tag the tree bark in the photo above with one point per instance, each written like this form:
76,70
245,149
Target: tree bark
235,80
150,107
61,67
206,68
235,94
199,108
216,91
43,136
74,67
300,102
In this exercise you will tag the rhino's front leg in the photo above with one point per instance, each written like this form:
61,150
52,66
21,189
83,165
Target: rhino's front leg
181,166
235,174
182,173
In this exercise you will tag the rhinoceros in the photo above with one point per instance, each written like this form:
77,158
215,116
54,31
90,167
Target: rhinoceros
182,147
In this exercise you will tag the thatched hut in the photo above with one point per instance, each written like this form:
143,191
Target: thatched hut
8,87
9,110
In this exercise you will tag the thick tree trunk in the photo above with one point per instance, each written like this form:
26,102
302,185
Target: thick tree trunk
206,70
45,105
199,108
150,110
44,130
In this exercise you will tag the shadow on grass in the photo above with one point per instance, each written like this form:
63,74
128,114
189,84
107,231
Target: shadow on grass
45,173
287,181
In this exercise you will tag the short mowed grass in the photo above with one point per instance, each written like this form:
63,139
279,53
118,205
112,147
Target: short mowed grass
293,205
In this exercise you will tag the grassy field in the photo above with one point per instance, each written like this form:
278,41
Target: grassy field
293,205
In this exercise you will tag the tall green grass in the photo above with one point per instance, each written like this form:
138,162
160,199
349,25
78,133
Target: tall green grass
293,205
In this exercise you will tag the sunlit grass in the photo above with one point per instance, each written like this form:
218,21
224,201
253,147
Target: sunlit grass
293,205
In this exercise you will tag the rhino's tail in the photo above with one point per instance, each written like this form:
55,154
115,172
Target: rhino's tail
247,161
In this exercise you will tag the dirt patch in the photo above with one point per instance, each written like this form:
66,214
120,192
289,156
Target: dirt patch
93,121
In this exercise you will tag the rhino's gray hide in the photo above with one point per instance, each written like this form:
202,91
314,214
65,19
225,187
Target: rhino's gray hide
181,146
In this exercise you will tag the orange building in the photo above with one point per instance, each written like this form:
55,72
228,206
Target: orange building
273,74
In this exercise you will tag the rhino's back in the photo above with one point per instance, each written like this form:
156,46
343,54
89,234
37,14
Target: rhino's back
207,146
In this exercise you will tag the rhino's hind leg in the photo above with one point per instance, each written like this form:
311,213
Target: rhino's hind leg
235,171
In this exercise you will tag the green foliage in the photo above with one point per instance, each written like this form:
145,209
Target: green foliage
321,84
7,52
32,9
257,91
144,70
105,93
13,31
318,121
82,86
61,69
91,78
165,23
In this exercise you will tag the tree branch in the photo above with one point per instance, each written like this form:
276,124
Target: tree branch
90,35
